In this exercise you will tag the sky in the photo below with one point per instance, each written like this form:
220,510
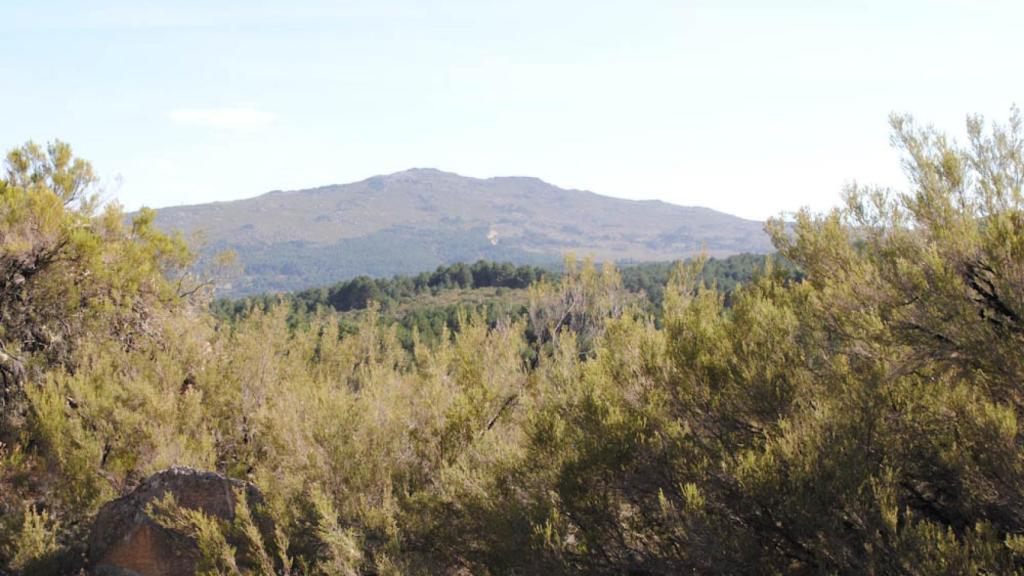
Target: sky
751,107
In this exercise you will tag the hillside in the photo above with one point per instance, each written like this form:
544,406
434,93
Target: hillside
418,219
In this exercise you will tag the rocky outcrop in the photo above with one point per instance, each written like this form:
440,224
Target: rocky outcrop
126,541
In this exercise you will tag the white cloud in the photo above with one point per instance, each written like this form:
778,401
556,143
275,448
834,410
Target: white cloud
229,117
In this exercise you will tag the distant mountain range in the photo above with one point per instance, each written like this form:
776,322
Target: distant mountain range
418,219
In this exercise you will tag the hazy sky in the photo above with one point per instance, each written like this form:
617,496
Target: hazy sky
751,107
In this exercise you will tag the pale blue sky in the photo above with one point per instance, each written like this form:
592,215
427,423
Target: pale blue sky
751,107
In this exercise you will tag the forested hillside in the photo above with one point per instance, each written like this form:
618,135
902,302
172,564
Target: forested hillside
861,416
415,220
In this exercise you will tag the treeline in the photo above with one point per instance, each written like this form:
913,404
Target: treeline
356,294
425,306
647,280
863,418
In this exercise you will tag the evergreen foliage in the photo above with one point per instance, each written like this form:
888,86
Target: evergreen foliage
861,417
356,294
431,303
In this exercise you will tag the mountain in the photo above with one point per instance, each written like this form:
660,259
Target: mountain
417,219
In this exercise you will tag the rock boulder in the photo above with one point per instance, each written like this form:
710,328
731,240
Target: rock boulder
126,541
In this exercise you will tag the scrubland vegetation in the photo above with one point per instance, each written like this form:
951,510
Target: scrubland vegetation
860,417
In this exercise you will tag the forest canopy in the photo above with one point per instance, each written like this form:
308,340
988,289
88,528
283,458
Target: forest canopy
859,417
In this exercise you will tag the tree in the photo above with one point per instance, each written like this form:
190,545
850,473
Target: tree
67,273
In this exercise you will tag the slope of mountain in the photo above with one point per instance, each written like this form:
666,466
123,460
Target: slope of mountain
417,219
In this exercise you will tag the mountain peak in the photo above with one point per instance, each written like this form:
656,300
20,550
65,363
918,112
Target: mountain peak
420,173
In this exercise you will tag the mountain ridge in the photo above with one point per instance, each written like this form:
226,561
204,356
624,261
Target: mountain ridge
416,219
